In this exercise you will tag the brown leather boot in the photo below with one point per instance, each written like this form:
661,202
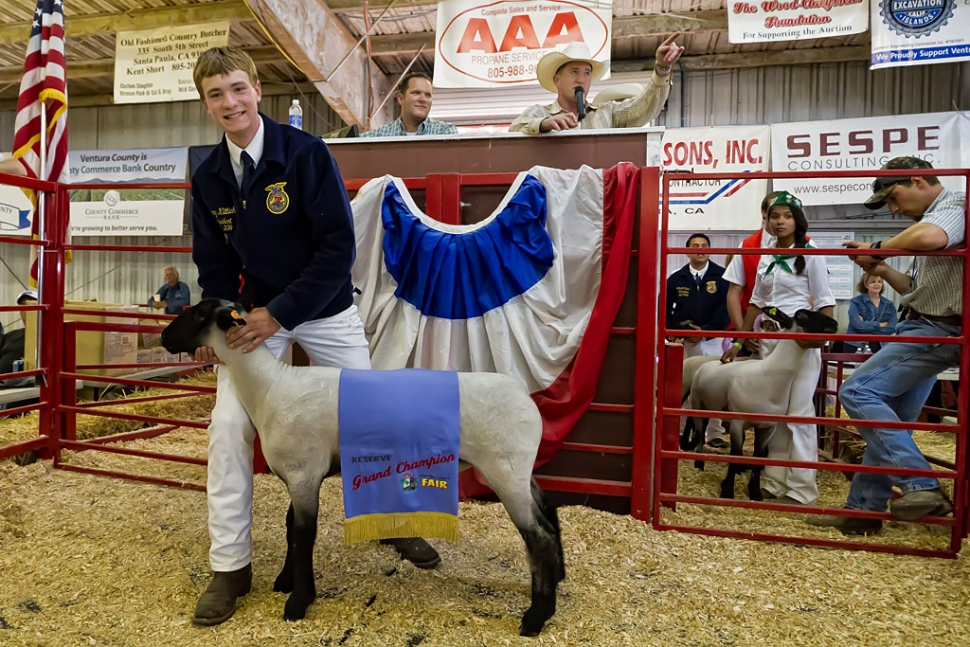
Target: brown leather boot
218,602
415,550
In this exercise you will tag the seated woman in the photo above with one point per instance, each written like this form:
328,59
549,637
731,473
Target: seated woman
870,313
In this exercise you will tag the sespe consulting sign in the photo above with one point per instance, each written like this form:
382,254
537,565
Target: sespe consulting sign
481,44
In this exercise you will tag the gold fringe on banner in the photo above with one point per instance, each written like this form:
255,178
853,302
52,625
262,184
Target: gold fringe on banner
370,527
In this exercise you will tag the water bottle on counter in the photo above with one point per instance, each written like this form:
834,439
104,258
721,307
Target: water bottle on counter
296,114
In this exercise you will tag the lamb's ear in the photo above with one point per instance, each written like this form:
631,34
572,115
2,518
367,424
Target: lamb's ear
226,318
783,320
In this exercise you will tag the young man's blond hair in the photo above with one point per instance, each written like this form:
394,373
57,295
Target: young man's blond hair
220,61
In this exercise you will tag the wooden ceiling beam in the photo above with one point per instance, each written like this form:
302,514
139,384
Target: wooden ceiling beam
101,23
625,27
741,60
342,6
320,44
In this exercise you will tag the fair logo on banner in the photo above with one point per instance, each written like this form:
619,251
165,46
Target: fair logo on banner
482,44
777,20
698,205
860,144
919,32
128,212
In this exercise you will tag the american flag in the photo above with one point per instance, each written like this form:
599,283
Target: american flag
43,88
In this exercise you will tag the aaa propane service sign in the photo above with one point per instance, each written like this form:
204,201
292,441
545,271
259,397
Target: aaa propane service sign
487,44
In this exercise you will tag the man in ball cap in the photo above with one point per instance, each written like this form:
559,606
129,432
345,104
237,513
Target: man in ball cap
572,68
894,383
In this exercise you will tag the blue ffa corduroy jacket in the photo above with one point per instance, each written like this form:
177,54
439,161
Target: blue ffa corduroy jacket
705,305
292,239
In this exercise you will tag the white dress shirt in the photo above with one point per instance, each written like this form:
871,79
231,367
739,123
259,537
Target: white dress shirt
255,150
789,291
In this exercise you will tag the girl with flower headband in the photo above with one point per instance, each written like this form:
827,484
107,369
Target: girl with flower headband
789,283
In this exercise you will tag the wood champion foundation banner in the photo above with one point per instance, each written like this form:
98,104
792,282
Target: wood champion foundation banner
754,21
481,44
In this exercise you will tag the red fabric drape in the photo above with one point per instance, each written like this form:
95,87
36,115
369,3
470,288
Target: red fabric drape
566,399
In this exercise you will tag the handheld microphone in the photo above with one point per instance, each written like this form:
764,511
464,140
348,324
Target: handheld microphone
580,102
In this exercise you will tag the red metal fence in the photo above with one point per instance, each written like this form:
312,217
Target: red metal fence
670,409
652,485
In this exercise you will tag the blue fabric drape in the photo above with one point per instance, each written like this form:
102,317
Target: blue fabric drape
464,275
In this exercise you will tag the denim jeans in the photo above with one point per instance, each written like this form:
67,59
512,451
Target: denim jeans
893,385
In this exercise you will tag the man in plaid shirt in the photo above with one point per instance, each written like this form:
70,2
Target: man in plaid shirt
894,383
414,97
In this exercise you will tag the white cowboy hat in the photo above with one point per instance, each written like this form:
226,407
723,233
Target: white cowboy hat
574,51
619,92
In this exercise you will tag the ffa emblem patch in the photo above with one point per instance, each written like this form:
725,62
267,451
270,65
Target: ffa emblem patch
276,199
408,483
712,287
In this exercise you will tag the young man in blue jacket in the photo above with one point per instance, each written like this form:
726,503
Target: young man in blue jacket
272,227
697,300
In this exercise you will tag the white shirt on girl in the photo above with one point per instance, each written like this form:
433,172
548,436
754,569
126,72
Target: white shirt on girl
789,291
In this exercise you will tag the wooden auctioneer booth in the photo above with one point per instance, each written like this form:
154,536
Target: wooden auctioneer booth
598,450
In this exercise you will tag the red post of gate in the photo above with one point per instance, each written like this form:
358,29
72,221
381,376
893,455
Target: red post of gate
646,343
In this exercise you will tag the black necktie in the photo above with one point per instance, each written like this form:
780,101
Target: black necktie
249,167
698,279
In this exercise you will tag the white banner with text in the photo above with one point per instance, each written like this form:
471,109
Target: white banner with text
128,212
698,205
919,32
862,144
16,212
153,65
764,21
484,43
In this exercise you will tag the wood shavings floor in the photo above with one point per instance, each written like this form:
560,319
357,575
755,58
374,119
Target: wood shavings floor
87,560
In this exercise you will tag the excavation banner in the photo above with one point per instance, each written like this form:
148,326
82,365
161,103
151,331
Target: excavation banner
919,32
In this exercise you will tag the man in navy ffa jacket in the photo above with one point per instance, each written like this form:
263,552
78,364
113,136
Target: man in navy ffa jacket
269,206
697,300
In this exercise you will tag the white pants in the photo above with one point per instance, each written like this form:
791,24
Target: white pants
795,442
336,341
707,348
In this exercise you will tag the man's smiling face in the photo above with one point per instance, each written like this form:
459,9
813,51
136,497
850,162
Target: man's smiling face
232,102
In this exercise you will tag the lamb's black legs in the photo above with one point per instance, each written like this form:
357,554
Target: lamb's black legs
284,581
761,437
304,535
737,449
544,546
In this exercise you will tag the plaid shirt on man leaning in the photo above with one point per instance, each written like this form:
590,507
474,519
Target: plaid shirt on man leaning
428,127
937,285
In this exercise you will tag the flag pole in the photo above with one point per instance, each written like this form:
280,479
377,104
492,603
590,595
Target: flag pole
41,232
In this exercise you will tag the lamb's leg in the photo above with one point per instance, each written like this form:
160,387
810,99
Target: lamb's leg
284,581
737,449
538,523
761,436
306,503
692,438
